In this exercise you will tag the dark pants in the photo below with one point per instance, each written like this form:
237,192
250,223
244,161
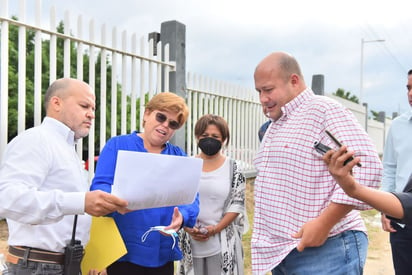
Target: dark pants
127,268
401,243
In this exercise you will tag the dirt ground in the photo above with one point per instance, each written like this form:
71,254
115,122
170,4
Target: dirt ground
379,261
3,236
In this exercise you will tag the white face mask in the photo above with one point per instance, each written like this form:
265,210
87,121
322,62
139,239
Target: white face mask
160,228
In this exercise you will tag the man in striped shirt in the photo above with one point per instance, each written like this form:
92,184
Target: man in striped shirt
304,222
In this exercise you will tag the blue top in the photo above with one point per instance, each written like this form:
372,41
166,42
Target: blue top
157,248
397,160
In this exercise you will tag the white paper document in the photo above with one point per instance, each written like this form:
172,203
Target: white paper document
149,180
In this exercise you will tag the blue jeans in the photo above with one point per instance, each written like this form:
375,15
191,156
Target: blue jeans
33,268
343,254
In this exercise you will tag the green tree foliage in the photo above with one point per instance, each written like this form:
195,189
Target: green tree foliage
346,95
30,48
375,115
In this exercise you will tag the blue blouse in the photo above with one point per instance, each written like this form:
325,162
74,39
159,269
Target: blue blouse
157,249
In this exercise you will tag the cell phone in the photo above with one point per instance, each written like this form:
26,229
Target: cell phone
321,148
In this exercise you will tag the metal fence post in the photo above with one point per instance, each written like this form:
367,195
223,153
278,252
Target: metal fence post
318,84
382,118
174,34
365,104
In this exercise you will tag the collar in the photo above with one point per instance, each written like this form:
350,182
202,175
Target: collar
292,105
60,128
409,114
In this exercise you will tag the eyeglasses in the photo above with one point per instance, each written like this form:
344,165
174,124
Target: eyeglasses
173,124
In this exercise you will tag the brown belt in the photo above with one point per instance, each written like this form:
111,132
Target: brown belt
34,254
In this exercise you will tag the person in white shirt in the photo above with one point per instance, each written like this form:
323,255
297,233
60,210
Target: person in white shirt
397,163
214,245
42,183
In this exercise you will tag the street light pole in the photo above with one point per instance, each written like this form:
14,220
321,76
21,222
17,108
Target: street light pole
363,41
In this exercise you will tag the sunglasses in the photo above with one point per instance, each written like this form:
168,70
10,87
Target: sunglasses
173,124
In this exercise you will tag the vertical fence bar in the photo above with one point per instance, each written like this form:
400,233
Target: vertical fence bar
123,115
159,68
150,69
142,84
92,76
103,90
133,86
66,45
166,76
21,109
37,67
53,47
189,122
4,77
195,111
79,54
114,86
79,69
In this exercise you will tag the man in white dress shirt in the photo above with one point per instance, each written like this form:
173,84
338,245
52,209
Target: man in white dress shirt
42,183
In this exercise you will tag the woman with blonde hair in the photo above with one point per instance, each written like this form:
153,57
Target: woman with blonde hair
164,114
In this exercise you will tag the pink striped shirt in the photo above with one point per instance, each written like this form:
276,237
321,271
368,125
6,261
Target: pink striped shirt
294,186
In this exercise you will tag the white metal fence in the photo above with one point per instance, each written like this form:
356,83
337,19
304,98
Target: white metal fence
136,74
239,106
124,79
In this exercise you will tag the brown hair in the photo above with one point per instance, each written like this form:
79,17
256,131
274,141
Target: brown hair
216,120
169,102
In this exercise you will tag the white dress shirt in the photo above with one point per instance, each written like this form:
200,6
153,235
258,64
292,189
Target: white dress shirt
42,186
397,160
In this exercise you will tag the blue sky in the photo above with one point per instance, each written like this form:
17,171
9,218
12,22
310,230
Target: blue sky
227,38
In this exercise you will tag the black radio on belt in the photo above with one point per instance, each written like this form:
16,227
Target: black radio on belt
73,254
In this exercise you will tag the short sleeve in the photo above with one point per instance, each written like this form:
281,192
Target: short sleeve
406,200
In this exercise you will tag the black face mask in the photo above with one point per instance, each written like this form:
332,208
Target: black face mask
209,146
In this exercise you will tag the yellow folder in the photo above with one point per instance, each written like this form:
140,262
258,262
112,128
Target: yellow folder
104,247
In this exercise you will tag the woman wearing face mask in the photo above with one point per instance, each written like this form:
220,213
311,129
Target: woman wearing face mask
214,245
